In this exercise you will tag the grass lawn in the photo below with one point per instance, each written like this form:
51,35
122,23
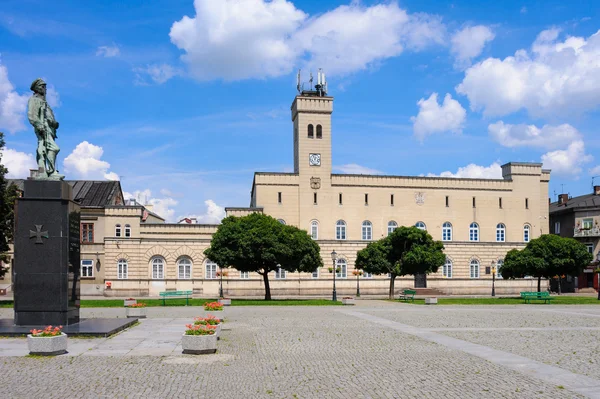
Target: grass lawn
558,300
118,303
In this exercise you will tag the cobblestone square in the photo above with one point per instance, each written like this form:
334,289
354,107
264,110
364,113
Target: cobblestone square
376,349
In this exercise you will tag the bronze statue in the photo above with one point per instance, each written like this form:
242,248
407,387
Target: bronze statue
42,119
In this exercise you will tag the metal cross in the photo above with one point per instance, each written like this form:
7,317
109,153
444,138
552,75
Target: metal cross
38,234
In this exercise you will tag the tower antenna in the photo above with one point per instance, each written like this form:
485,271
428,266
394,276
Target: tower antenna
298,80
311,81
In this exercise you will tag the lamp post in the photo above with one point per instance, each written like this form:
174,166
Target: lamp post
493,278
357,285
598,270
221,282
334,258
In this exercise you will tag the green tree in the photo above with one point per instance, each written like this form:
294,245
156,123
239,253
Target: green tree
7,219
259,243
407,251
545,257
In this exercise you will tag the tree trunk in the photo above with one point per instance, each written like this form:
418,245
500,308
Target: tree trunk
559,289
539,284
392,281
267,286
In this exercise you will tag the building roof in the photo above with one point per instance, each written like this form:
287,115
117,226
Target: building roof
575,203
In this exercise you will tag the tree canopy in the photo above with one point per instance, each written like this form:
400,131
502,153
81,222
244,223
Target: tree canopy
545,257
7,218
259,243
407,251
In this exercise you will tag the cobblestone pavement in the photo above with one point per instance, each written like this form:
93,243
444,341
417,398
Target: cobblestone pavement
322,352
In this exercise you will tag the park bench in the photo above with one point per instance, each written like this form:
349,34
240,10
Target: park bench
536,296
176,294
408,294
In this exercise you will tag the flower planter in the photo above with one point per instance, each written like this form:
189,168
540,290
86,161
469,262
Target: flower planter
225,301
431,301
129,302
219,314
348,301
140,313
47,346
199,344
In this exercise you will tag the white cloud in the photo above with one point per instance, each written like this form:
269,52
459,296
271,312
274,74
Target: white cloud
547,137
595,171
53,97
85,163
554,78
468,43
433,118
12,105
17,163
354,169
241,39
473,171
161,206
108,51
214,214
567,162
156,73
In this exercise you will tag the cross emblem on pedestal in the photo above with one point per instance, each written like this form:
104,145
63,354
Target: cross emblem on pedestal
38,234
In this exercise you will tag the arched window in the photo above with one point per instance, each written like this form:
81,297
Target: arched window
122,269
342,265
314,230
340,230
392,226
127,230
500,232
474,232
447,231
158,268
367,230
474,269
319,132
526,231
117,230
499,265
421,226
447,268
281,221
311,131
211,270
184,268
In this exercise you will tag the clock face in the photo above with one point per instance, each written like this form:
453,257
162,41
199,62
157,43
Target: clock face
314,160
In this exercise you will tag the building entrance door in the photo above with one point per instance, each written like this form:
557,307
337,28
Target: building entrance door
590,279
420,280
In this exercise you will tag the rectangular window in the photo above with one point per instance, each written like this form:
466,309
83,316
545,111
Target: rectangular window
158,271
366,199
184,270
279,197
127,230
367,275
556,227
211,271
87,268
526,203
590,248
500,202
340,199
474,202
447,201
392,200
588,223
280,274
315,274
315,198
244,275
122,270
87,232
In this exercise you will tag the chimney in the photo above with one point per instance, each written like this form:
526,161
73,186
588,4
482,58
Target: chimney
596,190
563,198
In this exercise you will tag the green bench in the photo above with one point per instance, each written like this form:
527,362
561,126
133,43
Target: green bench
536,296
408,294
176,294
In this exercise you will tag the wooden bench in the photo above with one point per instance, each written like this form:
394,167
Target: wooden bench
408,294
536,296
176,294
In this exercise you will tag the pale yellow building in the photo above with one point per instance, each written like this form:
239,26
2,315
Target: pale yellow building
478,220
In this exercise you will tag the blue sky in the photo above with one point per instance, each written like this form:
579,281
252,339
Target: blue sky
184,100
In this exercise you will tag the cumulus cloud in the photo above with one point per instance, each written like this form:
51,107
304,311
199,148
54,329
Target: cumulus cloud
155,73
433,118
241,39
567,162
85,163
213,215
354,169
468,43
108,51
473,171
163,207
18,163
12,104
553,78
547,137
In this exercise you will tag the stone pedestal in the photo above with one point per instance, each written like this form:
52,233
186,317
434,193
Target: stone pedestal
431,301
46,263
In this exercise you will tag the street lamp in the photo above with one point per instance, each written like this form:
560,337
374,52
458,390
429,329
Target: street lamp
598,269
493,278
221,283
334,258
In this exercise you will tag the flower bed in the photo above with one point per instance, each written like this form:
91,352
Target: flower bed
347,300
210,320
213,306
136,310
199,339
129,302
47,342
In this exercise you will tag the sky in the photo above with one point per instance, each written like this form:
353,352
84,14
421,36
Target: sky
184,100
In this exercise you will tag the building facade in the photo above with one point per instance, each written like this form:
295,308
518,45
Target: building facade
132,252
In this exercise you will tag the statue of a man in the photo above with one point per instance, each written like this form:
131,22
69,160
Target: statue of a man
42,119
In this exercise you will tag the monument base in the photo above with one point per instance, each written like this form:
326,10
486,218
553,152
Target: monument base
86,327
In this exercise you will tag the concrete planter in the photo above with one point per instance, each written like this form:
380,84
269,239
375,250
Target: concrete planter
128,302
225,301
431,301
199,344
140,313
219,314
346,301
47,346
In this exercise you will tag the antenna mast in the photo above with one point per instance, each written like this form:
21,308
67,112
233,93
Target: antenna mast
320,89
